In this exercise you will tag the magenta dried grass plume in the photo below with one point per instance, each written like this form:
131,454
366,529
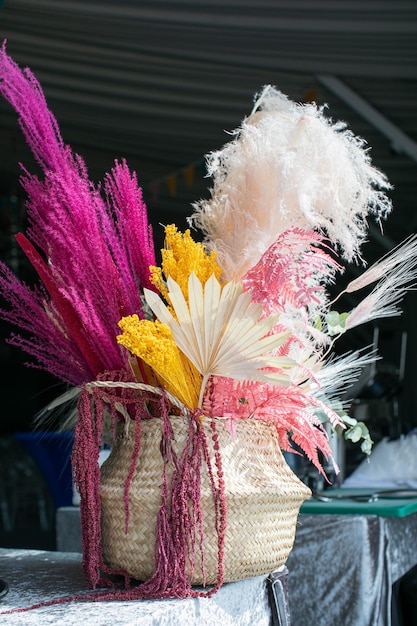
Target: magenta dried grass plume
96,251
41,325
133,246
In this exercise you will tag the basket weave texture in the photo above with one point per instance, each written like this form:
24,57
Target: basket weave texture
262,496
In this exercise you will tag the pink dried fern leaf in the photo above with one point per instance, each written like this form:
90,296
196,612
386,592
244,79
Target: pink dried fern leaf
293,271
291,410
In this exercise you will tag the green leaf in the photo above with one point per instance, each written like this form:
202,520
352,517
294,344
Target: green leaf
336,322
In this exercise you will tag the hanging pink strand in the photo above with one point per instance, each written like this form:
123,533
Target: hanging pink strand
179,524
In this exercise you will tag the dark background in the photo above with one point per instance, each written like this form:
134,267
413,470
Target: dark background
160,83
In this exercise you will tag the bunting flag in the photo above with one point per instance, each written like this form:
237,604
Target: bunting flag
188,173
172,184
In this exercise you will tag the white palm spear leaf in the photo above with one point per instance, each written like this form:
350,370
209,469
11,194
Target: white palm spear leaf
402,260
385,297
221,333
339,374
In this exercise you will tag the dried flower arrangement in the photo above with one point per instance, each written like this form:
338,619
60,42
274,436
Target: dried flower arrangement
237,327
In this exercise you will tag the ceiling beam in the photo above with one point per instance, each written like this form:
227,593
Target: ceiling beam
400,142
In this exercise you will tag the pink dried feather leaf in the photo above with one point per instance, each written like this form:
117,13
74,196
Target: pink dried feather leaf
372,308
294,270
385,297
403,255
289,408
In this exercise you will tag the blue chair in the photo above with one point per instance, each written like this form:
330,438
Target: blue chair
51,451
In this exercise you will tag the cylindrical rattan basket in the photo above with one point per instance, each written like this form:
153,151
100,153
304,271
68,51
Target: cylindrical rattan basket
262,496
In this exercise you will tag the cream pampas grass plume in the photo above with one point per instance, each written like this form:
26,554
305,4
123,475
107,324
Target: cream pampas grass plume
288,166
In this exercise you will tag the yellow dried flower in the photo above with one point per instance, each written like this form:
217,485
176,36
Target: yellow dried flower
181,257
154,344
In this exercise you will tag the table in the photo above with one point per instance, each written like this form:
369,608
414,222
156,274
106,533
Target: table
347,556
37,576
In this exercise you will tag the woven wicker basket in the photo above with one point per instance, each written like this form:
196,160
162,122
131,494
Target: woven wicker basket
263,497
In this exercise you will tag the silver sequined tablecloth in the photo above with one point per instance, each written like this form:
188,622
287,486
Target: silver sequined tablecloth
35,576
342,568
341,572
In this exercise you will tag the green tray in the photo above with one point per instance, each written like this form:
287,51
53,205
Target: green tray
383,506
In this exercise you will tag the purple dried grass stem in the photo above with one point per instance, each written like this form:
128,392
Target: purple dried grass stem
52,350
